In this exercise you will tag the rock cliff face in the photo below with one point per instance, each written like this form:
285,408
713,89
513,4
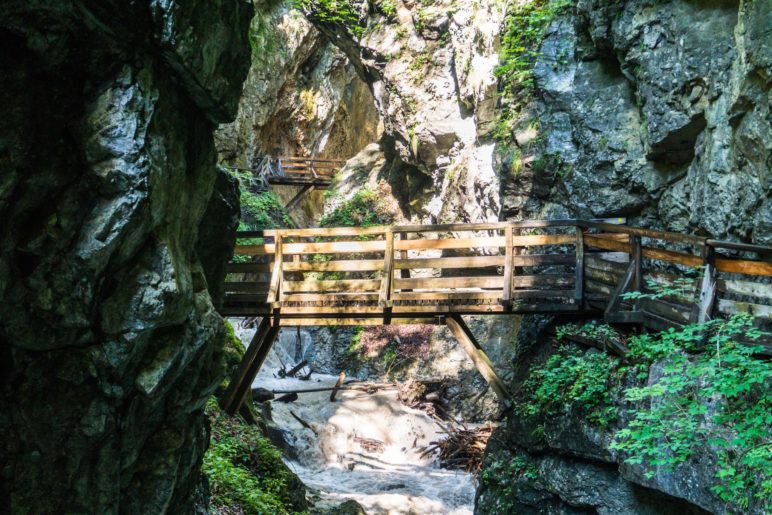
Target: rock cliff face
654,111
430,68
302,97
109,341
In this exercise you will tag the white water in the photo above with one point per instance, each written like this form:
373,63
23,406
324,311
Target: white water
392,480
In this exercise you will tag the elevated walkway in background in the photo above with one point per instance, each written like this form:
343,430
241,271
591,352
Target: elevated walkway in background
307,173
433,274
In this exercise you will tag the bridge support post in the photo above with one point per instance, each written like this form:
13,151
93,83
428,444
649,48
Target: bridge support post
706,296
481,360
241,382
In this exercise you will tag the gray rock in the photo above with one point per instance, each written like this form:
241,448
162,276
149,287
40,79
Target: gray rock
109,341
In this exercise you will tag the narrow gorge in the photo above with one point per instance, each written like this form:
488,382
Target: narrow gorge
386,257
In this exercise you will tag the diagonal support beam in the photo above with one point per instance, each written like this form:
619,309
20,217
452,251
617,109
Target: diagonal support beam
481,360
299,196
241,382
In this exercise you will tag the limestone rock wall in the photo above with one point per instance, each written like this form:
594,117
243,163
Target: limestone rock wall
430,68
655,111
109,340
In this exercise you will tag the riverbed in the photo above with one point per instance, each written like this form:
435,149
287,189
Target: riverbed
364,446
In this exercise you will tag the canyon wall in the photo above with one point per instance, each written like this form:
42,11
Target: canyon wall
115,226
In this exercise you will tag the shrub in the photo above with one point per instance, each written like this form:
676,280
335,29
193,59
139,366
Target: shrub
245,470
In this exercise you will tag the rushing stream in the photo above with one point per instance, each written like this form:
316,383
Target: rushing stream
363,446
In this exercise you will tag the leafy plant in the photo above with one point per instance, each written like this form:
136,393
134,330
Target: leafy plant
571,378
245,471
717,398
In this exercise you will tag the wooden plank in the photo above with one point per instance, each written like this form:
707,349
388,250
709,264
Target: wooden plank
706,299
484,365
647,233
335,247
598,287
247,287
606,244
299,196
610,278
254,250
746,288
243,268
356,321
241,381
636,257
733,307
579,268
489,226
388,271
326,231
675,312
543,259
450,243
350,265
741,266
331,297
449,262
542,280
276,276
546,239
671,256
616,295
449,282
344,285
508,271
743,247
445,296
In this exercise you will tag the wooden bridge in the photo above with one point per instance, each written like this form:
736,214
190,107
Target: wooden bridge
434,274
308,173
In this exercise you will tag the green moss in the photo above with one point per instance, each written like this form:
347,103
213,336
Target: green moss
334,12
245,471
526,24
233,349
364,209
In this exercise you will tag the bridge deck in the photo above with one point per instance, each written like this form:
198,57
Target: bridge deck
343,275
433,274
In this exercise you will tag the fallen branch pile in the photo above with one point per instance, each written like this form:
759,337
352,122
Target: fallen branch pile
462,447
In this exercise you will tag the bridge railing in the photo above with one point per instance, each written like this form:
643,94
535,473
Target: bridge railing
508,267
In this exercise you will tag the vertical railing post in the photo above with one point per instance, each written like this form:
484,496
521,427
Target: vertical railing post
579,273
506,297
637,256
706,295
404,273
384,299
274,291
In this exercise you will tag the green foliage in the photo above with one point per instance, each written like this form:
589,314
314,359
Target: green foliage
526,23
505,476
709,394
263,38
364,209
681,288
334,12
245,471
387,7
233,348
717,398
571,378
591,330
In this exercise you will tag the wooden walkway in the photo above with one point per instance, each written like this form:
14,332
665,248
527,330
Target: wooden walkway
434,274
296,171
